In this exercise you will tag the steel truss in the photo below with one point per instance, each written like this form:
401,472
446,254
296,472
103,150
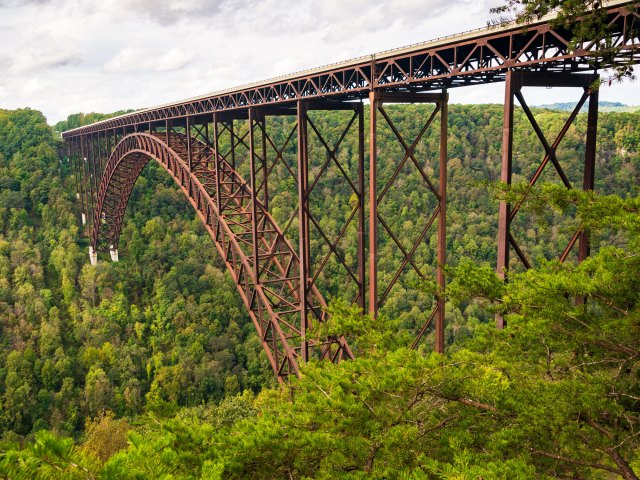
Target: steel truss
515,81
348,231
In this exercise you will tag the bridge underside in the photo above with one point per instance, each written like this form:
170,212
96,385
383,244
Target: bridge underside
227,151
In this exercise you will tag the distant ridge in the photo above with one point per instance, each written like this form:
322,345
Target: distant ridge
604,107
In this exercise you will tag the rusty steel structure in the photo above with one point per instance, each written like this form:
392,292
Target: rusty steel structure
222,149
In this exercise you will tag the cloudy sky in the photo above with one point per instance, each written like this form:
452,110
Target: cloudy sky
65,56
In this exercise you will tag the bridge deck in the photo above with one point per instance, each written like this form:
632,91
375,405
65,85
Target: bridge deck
474,57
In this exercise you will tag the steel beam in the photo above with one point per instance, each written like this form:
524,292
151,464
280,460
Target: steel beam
361,214
374,103
93,162
233,144
74,162
442,224
504,215
217,161
554,79
189,152
589,163
263,162
254,197
303,224
87,183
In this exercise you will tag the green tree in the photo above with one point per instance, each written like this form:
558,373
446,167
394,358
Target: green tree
586,21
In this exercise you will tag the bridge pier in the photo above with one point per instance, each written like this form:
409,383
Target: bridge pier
86,183
303,223
113,252
312,263
93,256
91,175
217,160
376,298
514,83
258,154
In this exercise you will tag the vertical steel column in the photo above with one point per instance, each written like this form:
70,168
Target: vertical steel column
87,154
233,144
86,183
189,156
361,219
76,166
265,171
82,181
589,163
72,164
105,153
254,198
89,176
92,177
208,142
101,156
505,178
167,128
303,223
373,203
442,223
93,161
216,160
67,156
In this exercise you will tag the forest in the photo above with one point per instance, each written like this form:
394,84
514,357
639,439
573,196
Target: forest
150,367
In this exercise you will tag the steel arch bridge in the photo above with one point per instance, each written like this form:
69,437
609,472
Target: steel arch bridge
208,143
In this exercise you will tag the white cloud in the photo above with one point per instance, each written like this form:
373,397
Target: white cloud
40,51
167,12
18,3
342,19
37,59
134,60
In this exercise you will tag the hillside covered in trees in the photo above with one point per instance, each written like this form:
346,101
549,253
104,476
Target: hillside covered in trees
150,367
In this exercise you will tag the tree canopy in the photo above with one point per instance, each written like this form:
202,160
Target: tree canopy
150,368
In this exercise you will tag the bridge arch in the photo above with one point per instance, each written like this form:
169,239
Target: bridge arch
266,282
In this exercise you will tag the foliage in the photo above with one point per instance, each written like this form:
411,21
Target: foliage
105,435
156,360
161,329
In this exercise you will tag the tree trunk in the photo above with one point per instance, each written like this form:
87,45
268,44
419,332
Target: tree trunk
625,470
